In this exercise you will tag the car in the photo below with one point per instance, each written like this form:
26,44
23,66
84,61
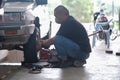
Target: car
17,22
22,24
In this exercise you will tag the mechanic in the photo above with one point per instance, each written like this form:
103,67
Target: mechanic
71,41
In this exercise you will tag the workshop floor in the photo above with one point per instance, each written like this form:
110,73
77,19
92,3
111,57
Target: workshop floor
100,66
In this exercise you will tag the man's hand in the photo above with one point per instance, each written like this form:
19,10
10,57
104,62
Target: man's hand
47,42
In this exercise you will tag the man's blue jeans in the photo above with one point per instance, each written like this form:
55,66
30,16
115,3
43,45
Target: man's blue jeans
65,47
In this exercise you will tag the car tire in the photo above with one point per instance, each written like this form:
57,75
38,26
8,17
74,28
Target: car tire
30,49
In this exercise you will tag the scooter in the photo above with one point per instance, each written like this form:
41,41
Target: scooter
100,18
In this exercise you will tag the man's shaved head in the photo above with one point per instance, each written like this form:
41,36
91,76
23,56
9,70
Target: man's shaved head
61,10
61,14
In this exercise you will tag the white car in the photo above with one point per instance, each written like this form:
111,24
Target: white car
17,22
22,23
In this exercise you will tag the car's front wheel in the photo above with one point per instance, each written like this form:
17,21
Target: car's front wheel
30,49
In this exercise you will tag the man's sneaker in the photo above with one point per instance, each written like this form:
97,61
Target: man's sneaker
36,69
78,63
64,64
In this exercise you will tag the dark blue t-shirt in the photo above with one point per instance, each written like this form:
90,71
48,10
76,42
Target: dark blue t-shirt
75,31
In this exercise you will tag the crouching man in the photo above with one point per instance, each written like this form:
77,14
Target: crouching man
71,41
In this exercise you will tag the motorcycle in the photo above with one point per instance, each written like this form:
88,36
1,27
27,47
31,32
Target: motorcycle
101,23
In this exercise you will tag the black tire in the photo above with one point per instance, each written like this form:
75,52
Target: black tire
30,49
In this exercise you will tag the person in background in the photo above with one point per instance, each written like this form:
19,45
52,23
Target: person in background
71,41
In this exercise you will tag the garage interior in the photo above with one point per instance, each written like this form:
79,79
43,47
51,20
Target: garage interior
100,66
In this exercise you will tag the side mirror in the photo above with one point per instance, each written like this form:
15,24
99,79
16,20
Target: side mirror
41,2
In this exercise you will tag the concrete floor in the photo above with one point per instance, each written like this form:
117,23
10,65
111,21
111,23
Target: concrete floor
100,66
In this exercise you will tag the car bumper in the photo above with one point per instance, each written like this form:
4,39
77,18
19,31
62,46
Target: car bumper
10,41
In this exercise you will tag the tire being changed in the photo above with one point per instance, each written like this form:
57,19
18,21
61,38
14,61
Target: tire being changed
30,50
